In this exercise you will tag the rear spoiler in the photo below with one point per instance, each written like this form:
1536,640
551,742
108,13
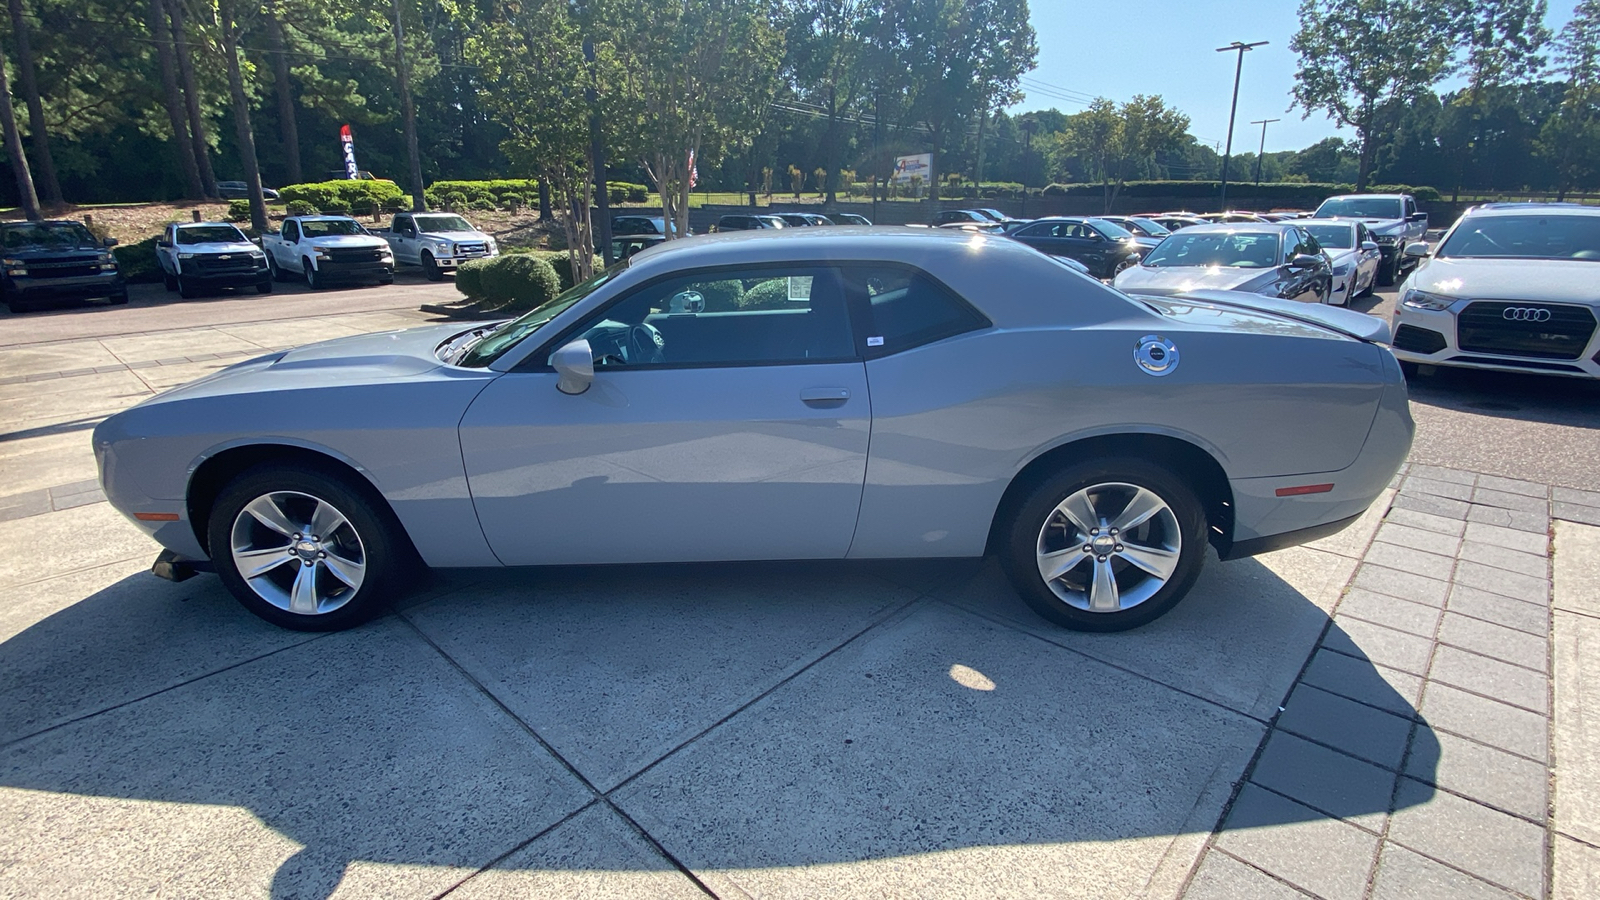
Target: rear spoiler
1347,322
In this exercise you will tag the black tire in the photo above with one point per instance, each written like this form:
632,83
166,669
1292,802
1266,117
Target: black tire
1408,369
264,287
387,279
430,268
276,273
120,299
186,289
383,548
1387,271
313,281
1033,517
170,280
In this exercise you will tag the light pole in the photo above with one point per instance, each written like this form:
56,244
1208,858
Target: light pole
1263,123
1237,69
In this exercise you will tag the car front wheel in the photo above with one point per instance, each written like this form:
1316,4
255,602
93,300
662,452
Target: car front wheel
313,280
303,549
1106,545
430,268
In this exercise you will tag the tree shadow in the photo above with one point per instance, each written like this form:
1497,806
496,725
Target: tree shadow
793,714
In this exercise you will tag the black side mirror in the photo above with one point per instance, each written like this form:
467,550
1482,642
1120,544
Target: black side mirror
163,242
1305,261
111,242
1417,217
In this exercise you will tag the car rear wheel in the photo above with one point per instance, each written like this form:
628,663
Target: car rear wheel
303,549
273,270
1106,545
430,268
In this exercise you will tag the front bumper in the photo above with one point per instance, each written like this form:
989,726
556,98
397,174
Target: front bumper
333,270
229,278
451,262
1430,339
77,288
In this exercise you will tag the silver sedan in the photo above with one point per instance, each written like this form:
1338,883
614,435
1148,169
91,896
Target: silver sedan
810,394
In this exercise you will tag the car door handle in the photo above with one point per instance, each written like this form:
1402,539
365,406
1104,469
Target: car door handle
824,395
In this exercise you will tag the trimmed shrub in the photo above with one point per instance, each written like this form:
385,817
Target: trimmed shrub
722,296
770,294
1300,192
519,281
562,263
469,278
348,191
238,210
300,208
138,261
335,207
397,204
455,201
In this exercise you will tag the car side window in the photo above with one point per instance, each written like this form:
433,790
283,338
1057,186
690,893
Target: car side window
1308,243
907,309
291,231
785,315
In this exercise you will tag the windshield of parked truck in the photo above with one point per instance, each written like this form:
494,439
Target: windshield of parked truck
49,234
1525,237
211,234
1361,208
441,223
315,228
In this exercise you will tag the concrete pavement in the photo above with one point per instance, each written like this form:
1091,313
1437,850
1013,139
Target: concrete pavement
1362,717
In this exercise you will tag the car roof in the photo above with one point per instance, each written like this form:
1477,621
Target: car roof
1249,227
1374,196
322,218
845,242
1559,209
203,224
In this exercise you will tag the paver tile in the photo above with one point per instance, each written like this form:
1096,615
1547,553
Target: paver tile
1221,877
1377,644
1492,678
1501,610
1411,518
1486,721
1507,644
1440,473
1435,506
1523,541
1576,729
1324,779
1495,556
1574,512
1419,539
1358,679
1492,845
1573,495
1416,484
1410,561
1485,774
1372,734
1403,583
1404,875
1577,870
1522,520
1382,609
1506,500
1514,486
1323,855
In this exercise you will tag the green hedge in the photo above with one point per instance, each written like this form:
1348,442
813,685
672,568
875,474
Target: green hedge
1285,190
770,294
137,262
515,282
300,208
345,195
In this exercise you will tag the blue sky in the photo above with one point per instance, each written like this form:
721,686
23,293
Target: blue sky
1168,47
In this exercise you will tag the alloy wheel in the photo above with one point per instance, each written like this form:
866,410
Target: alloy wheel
1109,547
298,552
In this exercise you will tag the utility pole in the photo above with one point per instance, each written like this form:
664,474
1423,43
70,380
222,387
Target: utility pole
409,111
1238,68
1263,123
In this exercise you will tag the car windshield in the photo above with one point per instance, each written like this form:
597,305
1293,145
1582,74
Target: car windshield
495,344
994,214
315,228
442,223
772,221
1230,249
1525,237
1360,208
211,234
1110,229
1155,228
49,234
1333,237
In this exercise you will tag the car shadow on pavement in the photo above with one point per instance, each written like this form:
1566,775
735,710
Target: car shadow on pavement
763,721
1549,399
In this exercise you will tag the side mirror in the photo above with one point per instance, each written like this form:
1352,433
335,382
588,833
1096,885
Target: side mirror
574,363
1369,246
163,242
1417,217
111,242
1416,250
1305,261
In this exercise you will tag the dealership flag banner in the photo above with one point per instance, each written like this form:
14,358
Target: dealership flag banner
348,142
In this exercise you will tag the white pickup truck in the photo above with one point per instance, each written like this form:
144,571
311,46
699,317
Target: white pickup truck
326,249
198,256
438,242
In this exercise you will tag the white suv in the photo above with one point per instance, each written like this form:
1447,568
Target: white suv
1512,287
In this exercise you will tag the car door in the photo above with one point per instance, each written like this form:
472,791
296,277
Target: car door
284,251
1084,244
166,252
728,418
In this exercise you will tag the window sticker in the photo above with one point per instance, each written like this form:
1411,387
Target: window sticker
875,341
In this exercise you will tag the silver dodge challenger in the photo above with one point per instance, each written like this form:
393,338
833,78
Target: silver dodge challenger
860,393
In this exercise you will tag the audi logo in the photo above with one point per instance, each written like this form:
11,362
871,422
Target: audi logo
1525,314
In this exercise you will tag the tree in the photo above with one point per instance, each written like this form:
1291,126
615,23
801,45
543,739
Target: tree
1502,42
231,30
183,49
1115,143
826,42
1571,136
283,88
38,129
963,57
13,139
172,97
1358,58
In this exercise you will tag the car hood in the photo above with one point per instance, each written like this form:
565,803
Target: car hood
346,240
1548,280
362,358
1384,226
218,247
1340,257
84,251
1258,308
1178,279
455,235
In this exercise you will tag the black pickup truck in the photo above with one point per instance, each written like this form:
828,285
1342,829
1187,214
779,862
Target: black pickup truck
42,263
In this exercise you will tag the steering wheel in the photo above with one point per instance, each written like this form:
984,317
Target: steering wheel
645,345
